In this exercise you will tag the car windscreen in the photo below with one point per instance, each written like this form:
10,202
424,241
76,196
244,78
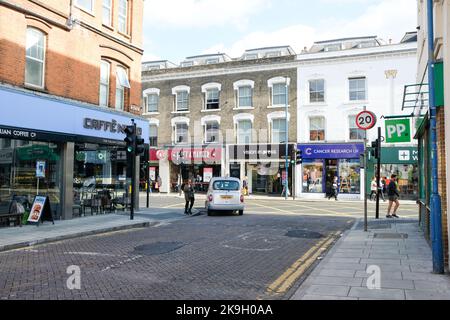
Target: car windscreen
226,185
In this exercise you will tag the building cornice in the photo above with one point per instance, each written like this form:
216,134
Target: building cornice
171,75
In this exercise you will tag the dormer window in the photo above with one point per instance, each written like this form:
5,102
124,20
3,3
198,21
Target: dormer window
333,47
187,64
251,56
212,61
273,54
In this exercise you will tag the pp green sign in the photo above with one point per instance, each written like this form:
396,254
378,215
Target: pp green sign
398,131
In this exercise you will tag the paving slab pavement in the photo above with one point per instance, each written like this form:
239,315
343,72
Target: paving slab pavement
363,266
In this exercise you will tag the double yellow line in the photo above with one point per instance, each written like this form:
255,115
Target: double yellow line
296,270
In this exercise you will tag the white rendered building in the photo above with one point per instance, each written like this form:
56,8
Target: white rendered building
336,80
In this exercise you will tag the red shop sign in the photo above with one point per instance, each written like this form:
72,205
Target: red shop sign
196,154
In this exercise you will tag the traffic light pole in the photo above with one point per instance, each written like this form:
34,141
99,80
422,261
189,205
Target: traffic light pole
133,174
147,175
378,152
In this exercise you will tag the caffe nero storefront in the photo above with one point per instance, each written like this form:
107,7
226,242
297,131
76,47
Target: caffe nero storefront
71,152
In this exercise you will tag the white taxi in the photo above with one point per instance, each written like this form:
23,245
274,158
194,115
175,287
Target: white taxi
224,194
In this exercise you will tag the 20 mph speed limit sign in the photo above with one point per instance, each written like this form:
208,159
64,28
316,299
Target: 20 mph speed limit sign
366,120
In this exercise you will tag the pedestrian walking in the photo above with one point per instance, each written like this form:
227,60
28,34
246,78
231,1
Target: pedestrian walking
393,195
373,189
334,189
380,190
189,196
245,186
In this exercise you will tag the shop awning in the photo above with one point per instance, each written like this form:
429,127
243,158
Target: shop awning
36,152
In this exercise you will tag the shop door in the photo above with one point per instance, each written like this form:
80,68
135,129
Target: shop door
331,171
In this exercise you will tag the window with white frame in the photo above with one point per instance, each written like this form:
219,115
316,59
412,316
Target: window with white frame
357,89
317,129
123,16
121,83
85,4
212,61
212,99
35,58
244,132
106,12
279,130
153,135
152,102
181,133
182,100
212,132
355,133
245,99
279,94
104,83
316,90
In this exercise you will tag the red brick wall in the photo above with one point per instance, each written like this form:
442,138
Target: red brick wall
73,57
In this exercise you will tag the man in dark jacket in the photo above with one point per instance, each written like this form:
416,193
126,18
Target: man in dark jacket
393,197
189,196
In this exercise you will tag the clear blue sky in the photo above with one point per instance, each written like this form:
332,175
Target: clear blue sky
175,29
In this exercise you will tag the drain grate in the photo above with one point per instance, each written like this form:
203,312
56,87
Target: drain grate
153,249
305,234
391,235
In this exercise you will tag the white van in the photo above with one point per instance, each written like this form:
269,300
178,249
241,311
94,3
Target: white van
224,194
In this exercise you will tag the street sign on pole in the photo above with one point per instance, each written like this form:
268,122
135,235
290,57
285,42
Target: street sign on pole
398,131
366,120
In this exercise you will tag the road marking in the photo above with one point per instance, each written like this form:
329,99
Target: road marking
264,206
116,265
175,205
94,254
287,279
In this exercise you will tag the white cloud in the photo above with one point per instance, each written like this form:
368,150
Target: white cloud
388,19
201,13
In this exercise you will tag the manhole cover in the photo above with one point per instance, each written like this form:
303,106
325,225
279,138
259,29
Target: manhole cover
305,234
157,248
391,235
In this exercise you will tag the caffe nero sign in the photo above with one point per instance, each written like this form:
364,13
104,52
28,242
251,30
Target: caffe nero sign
112,126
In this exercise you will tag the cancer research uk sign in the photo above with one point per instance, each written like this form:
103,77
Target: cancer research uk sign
331,151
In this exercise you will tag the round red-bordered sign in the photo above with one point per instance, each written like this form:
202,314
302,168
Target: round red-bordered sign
366,120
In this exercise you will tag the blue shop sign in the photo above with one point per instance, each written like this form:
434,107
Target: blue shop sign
331,151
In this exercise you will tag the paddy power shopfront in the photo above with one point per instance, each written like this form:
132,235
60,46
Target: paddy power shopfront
323,162
401,161
58,148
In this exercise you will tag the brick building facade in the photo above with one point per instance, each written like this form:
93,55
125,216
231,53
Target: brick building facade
70,74
223,96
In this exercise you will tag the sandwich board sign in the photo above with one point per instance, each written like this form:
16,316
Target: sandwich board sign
398,131
40,211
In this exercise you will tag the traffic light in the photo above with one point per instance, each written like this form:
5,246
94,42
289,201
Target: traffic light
375,152
298,157
130,139
140,148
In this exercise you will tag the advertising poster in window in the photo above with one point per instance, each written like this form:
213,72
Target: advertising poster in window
40,169
152,173
207,174
37,209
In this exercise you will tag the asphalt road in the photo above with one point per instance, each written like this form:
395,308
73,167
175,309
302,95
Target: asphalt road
262,255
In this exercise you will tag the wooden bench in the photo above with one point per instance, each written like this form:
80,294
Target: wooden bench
8,214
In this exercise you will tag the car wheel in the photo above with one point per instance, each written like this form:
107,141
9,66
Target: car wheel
241,212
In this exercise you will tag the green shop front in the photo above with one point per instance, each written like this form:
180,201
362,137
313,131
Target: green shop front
401,161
